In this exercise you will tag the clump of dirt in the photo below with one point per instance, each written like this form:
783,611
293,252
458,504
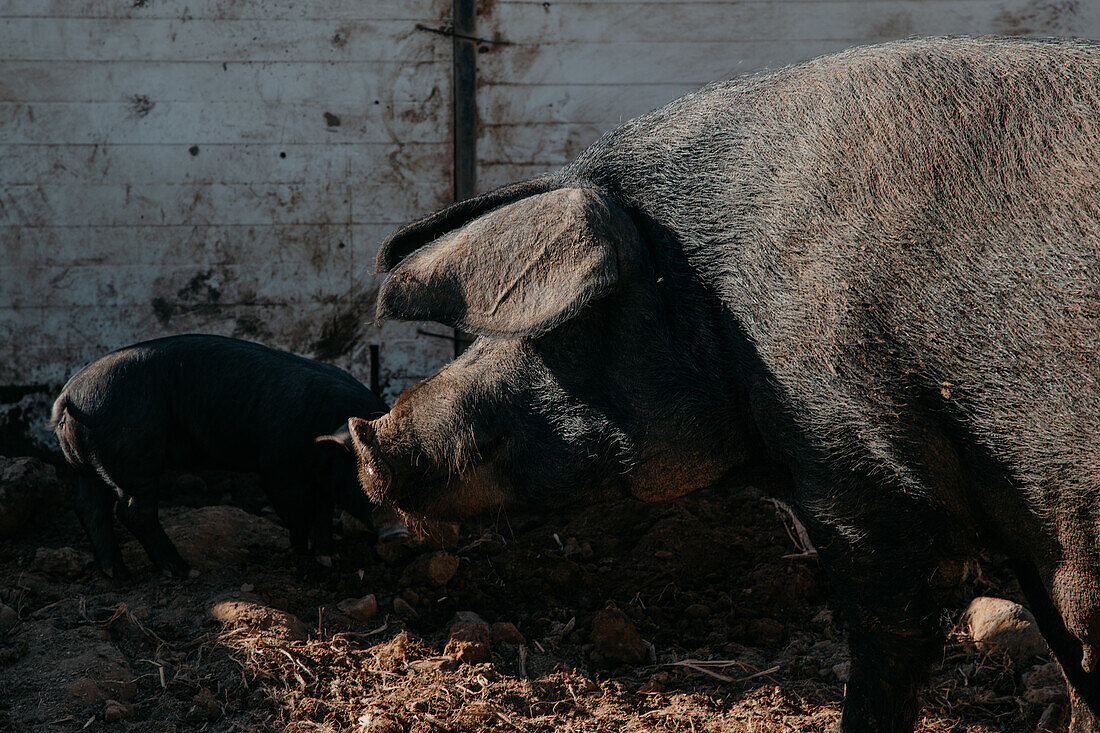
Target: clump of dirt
701,614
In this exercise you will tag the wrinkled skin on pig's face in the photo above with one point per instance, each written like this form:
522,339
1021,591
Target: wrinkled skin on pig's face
575,391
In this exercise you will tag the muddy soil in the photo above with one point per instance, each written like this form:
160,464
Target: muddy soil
701,614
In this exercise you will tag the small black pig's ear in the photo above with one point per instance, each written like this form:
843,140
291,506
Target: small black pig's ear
520,270
341,439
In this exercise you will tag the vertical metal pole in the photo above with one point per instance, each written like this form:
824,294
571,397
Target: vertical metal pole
375,369
464,19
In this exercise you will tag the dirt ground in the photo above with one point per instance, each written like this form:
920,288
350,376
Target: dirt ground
735,630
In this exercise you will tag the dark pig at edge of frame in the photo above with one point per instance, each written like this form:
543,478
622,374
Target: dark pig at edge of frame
199,402
877,269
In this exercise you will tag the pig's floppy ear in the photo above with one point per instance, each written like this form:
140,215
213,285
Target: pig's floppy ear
520,270
410,238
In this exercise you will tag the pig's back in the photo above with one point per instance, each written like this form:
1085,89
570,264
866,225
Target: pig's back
211,401
903,231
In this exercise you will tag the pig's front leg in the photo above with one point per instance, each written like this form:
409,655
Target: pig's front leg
890,588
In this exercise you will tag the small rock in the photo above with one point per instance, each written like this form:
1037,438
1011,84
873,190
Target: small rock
351,526
392,553
1045,695
697,610
28,488
997,625
505,632
359,609
434,569
204,706
85,691
114,711
1044,684
189,486
253,614
402,608
247,587
616,638
434,664
8,617
655,684
469,637
65,562
843,671
411,597
1044,675
766,631
218,537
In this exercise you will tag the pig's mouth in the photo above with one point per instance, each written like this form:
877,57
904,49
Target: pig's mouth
472,491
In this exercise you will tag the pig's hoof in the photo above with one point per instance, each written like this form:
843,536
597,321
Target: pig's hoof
324,560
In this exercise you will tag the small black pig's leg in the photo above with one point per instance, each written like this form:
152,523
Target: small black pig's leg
285,494
321,530
890,590
140,517
94,502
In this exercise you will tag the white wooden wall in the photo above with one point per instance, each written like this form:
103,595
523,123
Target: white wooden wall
171,167
168,166
574,68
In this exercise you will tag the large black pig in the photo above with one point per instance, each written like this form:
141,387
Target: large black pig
209,402
877,269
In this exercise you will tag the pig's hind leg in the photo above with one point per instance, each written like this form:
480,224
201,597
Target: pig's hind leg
94,503
1076,609
891,590
138,512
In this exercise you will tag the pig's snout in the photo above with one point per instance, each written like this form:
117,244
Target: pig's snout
374,474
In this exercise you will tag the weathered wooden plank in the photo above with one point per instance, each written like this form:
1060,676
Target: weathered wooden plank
493,175
639,62
780,22
186,244
225,10
141,120
258,282
84,39
596,104
394,197
174,247
549,144
353,84
53,164
47,345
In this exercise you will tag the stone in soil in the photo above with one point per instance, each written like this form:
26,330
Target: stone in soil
434,569
64,562
8,617
402,608
616,638
238,610
468,639
998,625
115,711
28,489
204,707
218,537
505,632
359,609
